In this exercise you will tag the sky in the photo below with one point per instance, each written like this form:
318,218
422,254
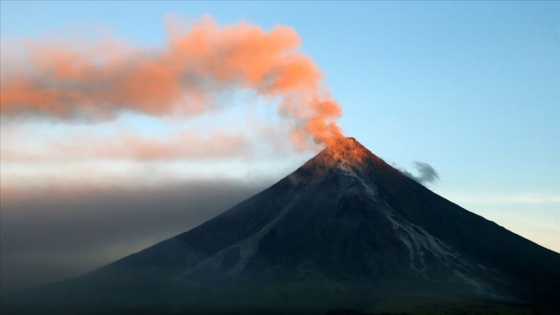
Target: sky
468,88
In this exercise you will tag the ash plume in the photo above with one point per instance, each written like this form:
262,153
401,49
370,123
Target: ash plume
68,79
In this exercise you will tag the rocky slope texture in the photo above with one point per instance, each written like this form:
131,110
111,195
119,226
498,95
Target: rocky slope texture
344,231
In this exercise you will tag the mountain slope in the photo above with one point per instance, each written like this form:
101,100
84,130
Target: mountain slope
345,230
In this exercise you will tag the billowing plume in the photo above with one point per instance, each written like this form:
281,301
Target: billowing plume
68,79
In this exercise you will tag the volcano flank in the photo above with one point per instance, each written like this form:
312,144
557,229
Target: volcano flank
345,231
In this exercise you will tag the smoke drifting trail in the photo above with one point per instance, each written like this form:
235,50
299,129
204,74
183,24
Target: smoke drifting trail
427,174
97,80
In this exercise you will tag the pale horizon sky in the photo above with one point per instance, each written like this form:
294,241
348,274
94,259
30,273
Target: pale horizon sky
472,88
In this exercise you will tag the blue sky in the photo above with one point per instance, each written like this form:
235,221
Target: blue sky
471,88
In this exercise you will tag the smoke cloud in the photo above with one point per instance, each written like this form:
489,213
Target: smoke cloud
128,145
56,232
426,173
70,79
48,234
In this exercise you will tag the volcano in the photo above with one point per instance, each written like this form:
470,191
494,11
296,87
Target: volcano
344,232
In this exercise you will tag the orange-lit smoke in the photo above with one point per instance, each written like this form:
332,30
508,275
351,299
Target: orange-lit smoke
128,145
98,80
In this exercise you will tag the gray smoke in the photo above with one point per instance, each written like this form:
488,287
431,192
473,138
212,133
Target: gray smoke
426,173
50,236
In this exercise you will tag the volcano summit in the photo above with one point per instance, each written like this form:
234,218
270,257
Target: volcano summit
344,231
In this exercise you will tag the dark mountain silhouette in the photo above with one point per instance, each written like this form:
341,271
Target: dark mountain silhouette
345,233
